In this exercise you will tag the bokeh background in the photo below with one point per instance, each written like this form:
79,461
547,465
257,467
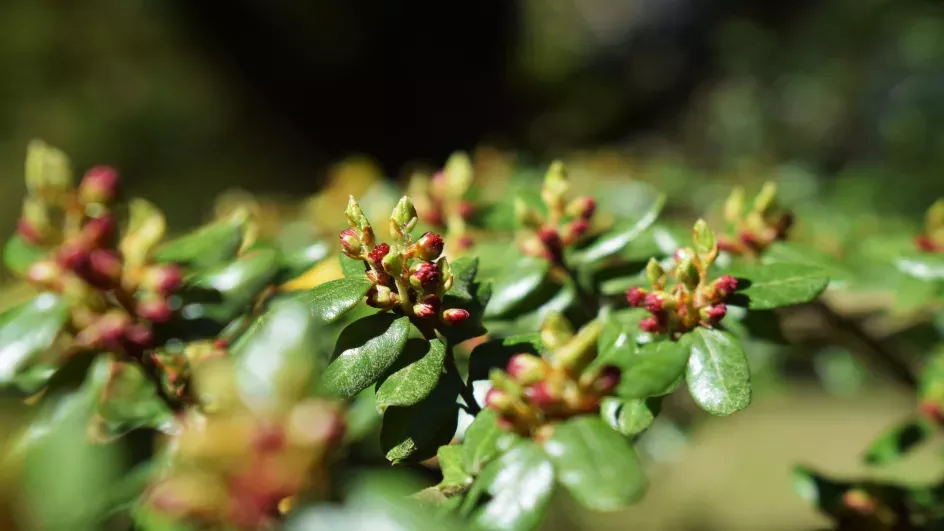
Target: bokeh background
192,98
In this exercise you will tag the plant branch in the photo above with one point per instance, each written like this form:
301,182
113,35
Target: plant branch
878,352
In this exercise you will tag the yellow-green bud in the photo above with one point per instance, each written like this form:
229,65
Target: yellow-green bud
655,274
403,218
458,174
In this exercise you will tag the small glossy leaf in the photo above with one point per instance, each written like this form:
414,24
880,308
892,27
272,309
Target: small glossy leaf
621,337
297,261
27,331
208,246
464,271
275,358
596,464
718,374
18,255
453,470
414,433
620,235
331,300
496,353
484,441
779,284
414,375
520,484
926,266
238,283
797,253
366,349
351,267
129,400
511,291
630,417
653,369
895,443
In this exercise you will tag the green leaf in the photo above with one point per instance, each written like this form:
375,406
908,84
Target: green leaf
238,283
331,300
275,358
926,266
653,370
18,255
27,332
129,400
450,462
624,232
464,271
621,337
630,417
414,375
511,291
496,353
351,267
596,464
718,375
797,253
520,484
414,433
297,261
208,246
366,349
895,443
484,441
779,284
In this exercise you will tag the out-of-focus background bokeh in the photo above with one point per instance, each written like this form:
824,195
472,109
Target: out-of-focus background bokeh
192,98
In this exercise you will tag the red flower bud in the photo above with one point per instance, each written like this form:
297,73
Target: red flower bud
553,245
351,243
426,276
635,296
654,303
378,253
716,312
28,232
99,185
932,410
464,242
434,217
540,395
577,228
164,279
455,316
100,231
429,307
73,255
749,239
651,325
725,286
429,246
526,368
268,439
466,209
221,344
156,310
139,335
497,399
607,380
588,206
104,269
923,241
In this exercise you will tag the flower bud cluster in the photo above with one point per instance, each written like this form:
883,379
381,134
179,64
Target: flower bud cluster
410,275
692,300
754,230
440,199
534,392
237,468
932,240
114,304
565,223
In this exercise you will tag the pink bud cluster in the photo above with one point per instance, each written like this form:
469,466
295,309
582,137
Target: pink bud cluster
113,307
534,393
753,238
681,309
551,237
412,279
